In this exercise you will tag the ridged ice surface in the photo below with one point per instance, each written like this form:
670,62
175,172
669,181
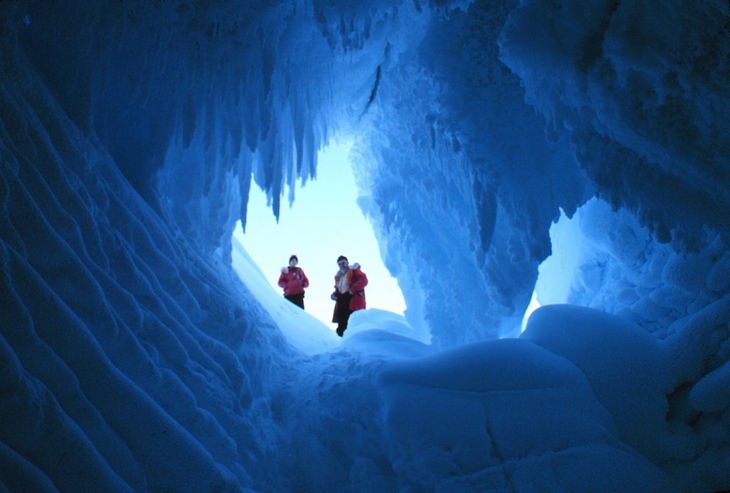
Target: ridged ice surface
132,358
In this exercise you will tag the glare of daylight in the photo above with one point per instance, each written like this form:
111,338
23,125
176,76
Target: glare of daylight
323,222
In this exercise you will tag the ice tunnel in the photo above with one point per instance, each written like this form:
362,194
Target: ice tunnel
572,152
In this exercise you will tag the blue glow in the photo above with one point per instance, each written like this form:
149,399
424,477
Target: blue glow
323,222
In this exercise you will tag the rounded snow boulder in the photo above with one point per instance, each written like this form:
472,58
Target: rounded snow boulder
622,363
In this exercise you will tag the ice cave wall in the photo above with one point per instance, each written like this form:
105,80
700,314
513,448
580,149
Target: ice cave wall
463,181
191,98
129,133
219,93
517,111
184,101
640,92
443,103
132,359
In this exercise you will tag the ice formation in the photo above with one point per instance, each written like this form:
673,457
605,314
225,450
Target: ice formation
490,136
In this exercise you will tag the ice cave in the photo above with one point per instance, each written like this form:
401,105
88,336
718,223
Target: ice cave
572,154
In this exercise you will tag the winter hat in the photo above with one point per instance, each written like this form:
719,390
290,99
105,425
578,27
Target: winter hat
341,257
294,257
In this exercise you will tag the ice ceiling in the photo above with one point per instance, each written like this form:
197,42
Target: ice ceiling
474,113
131,133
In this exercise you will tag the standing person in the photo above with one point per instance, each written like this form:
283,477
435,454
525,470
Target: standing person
293,280
349,293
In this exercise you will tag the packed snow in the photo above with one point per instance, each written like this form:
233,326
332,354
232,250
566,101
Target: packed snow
570,154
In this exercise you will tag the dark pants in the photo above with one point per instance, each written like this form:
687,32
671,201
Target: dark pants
297,299
342,312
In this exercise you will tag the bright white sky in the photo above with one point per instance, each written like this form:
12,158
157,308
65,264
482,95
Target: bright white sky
323,223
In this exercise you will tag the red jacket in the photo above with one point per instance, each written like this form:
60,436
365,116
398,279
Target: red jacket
293,280
357,281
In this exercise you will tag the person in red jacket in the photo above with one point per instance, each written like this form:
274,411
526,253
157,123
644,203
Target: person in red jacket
293,280
349,293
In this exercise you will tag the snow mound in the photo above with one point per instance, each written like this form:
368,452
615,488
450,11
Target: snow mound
511,416
384,334
623,364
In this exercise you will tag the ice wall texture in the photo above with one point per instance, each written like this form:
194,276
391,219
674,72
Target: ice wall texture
640,88
513,110
132,360
129,134
463,182
127,356
191,98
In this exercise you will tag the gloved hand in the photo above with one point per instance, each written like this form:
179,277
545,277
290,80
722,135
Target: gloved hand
333,297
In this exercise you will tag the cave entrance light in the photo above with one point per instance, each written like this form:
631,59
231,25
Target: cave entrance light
556,273
323,222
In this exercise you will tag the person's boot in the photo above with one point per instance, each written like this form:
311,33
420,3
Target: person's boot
339,331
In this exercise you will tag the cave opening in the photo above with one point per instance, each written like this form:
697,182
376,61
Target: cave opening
323,221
